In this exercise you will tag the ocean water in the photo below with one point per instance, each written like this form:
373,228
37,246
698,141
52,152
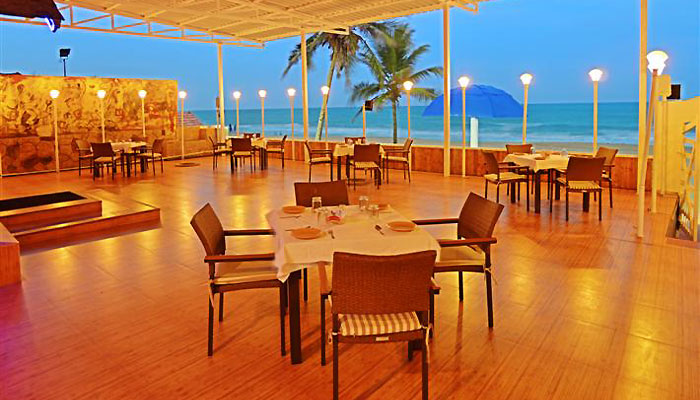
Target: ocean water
617,123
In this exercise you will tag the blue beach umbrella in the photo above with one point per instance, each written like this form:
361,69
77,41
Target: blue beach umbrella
483,101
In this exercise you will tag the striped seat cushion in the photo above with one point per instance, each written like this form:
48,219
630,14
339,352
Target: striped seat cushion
322,159
505,177
460,256
365,164
242,154
377,324
580,185
242,272
397,158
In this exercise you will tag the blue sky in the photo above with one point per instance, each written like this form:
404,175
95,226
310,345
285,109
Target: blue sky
556,40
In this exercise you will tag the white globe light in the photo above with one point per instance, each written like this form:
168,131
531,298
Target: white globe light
236,95
182,94
142,94
526,78
408,85
595,74
291,92
325,90
101,94
463,81
54,94
657,61
262,93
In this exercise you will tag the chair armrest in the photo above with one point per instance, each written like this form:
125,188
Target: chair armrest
434,287
437,221
608,165
239,257
248,232
395,151
465,242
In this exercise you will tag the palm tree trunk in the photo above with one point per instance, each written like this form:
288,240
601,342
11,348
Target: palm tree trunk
322,114
393,115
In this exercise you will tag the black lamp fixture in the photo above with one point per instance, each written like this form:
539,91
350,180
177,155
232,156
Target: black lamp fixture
63,54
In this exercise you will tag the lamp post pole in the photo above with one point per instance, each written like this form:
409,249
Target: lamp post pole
595,75
364,121
463,83
237,97
142,95
262,94
101,95
408,85
291,92
54,95
525,78
325,90
182,96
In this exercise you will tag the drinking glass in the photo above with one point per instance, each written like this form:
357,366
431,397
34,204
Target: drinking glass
364,202
316,202
373,212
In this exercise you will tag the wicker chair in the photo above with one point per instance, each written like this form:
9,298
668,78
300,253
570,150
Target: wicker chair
82,148
277,147
234,272
367,157
499,174
242,148
525,148
401,156
319,156
155,153
379,299
333,193
218,149
583,175
609,155
471,251
104,156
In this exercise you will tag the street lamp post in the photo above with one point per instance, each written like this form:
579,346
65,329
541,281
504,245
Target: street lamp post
182,94
142,95
408,85
595,75
291,92
101,95
463,83
237,97
525,78
325,90
54,95
262,93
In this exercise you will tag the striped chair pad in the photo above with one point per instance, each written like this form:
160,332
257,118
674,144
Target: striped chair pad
242,272
242,154
397,158
150,155
377,324
365,164
505,177
460,256
580,185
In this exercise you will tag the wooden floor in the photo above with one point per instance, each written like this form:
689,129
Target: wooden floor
583,310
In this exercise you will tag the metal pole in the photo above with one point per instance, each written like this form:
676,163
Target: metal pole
55,135
262,115
222,101
595,117
644,148
291,117
143,117
304,86
364,122
527,87
102,117
325,109
446,87
238,123
464,131
408,103
182,128
641,113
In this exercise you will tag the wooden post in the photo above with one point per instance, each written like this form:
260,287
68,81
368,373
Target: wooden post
222,120
304,86
446,87
364,122
642,110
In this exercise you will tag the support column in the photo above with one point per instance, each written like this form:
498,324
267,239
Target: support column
304,86
222,101
446,87
642,113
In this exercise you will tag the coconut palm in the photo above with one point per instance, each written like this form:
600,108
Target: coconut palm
343,54
391,59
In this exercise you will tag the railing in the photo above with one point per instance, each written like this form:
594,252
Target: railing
688,212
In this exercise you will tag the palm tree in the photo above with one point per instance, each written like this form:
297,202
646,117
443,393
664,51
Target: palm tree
391,59
344,50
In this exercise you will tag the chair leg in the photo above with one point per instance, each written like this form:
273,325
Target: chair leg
432,312
161,165
486,189
309,171
489,298
527,194
221,306
323,330
424,369
551,200
461,287
153,161
283,311
610,191
306,284
600,206
498,196
408,166
567,204
330,165
335,368
409,346
210,341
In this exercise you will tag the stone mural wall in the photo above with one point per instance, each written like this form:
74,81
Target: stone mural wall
26,116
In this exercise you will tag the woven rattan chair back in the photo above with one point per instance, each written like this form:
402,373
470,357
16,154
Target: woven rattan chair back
407,144
585,168
608,153
209,230
333,193
284,140
490,162
83,145
241,144
382,284
102,150
519,148
478,217
158,145
366,153
74,145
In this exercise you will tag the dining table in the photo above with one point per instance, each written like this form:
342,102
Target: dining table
348,151
129,151
260,144
359,232
538,163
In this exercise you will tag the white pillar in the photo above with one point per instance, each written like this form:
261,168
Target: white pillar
304,86
474,132
446,87
102,119
642,113
222,102
526,86
595,116
55,134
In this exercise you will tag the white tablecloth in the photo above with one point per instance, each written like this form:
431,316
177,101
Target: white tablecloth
341,150
126,146
259,142
356,235
554,161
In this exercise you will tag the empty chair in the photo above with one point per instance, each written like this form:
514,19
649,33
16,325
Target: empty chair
401,156
499,174
154,153
366,157
82,149
277,147
234,272
241,149
583,175
379,299
609,155
519,148
218,149
137,138
104,156
317,157
471,250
